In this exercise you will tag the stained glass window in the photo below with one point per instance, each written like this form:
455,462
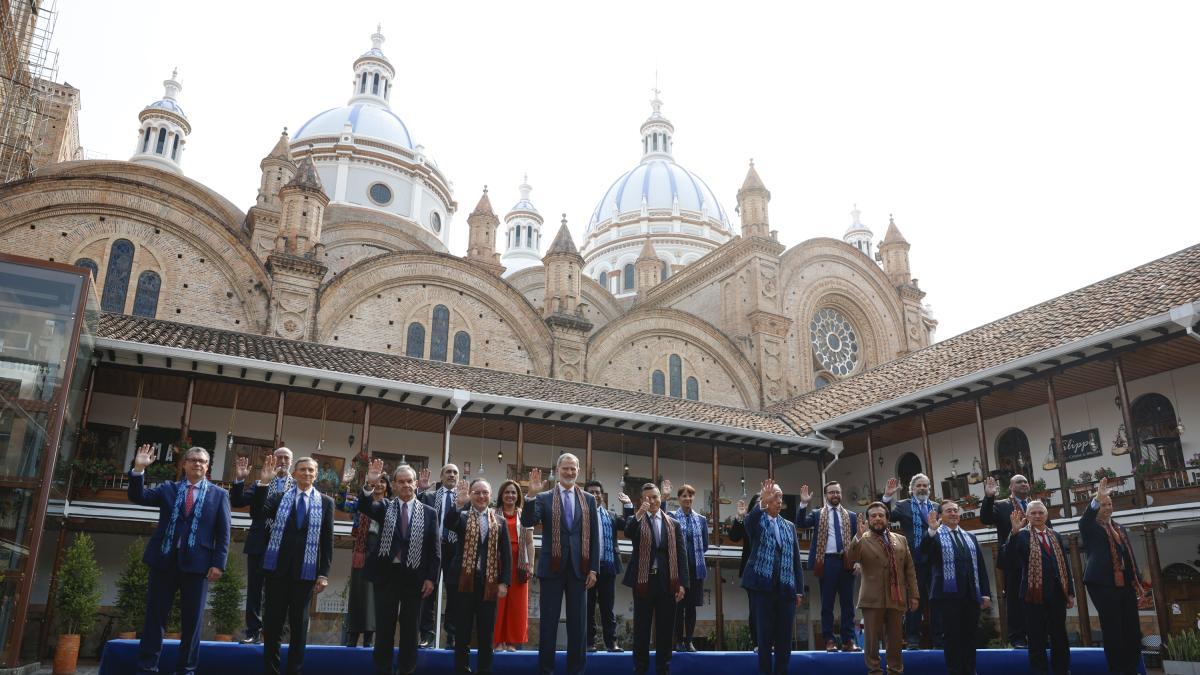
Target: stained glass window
628,277
834,342
146,140
462,348
440,333
145,300
90,265
693,389
675,367
162,142
116,277
416,341
658,383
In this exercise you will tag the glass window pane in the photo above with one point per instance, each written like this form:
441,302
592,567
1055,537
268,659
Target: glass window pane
116,278
693,389
440,333
416,341
658,383
145,301
675,366
462,348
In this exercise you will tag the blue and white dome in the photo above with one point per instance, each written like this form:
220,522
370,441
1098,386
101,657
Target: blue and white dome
366,120
164,129
659,183
170,105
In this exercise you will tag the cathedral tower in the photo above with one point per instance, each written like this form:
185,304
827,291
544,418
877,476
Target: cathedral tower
164,129
563,306
481,242
858,235
752,205
523,234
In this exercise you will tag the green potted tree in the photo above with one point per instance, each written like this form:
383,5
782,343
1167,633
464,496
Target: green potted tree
174,620
225,599
76,601
1182,654
132,587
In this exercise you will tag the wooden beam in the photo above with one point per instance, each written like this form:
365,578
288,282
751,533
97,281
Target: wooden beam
185,420
928,452
520,448
1135,447
982,437
279,418
654,460
871,465
717,581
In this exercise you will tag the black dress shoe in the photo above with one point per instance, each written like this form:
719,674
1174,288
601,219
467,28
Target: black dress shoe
426,641
615,648
690,647
255,639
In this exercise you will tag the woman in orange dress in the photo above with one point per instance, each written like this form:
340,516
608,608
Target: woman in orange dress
512,610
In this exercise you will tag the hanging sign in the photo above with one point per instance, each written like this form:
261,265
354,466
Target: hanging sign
1080,445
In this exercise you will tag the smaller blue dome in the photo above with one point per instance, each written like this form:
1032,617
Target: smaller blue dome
168,105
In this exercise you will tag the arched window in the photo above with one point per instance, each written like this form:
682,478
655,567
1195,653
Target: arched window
600,277
162,142
693,389
175,147
628,277
416,341
658,383
675,368
1012,454
517,242
375,85
1156,428
362,87
90,265
145,299
908,466
821,382
529,236
146,140
439,335
116,277
386,86
462,348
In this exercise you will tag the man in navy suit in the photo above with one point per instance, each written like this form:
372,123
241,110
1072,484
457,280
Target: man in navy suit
187,551
441,499
1047,587
959,585
737,533
999,513
568,562
658,576
773,577
403,567
826,557
259,532
604,592
913,515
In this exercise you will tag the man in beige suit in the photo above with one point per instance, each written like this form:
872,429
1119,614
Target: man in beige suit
888,588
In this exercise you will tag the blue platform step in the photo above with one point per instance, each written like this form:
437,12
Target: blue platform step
227,658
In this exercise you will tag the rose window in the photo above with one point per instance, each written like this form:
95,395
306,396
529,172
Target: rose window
834,342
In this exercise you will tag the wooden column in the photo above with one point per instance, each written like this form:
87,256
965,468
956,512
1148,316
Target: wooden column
983,453
654,464
1156,581
718,582
185,420
279,419
770,464
587,458
1135,448
928,452
1081,600
520,449
1000,601
366,431
1059,454
870,465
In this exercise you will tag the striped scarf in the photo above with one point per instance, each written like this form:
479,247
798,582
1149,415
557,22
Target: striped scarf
776,547
416,531
889,547
646,555
308,568
606,540
949,583
177,510
1117,534
692,535
1033,590
556,521
275,487
466,579
823,535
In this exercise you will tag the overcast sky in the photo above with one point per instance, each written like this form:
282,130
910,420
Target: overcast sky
1026,149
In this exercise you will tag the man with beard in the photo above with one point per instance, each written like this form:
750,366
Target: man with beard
658,576
913,516
889,586
774,578
442,500
832,526
695,536
1047,586
999,513
604,592
567,564
959,586
260,531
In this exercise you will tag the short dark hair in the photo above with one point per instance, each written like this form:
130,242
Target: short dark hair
683,489
591,484
825,488
877,505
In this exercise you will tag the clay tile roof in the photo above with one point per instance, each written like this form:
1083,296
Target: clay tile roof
429,373
1140,293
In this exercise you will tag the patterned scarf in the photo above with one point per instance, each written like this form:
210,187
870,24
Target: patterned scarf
1117,534
646,555
691,535
1033,589
362,527
308,568
779,548
556,518
416,531
823,535
450,536
276,486
949,583
466,578
606,540
889,547
177,511
920,520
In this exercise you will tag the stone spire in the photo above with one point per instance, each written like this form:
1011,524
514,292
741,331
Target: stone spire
752,205
893,253
648,269
278,169
563,269
303,200
523,233
657,131
481,242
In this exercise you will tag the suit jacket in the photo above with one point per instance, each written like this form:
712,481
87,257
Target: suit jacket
457,521
291,546
258,535
633,530
618,525
751,580
902,512
998,514
1015,552
539,510
1099,569
932,548
875,588
429,497
737,532
812,521
212,533
379,567
692,567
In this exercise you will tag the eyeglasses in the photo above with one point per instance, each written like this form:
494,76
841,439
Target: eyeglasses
196,460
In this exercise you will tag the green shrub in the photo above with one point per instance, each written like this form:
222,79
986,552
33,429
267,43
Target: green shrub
1184,646
77,599
225,598
132,588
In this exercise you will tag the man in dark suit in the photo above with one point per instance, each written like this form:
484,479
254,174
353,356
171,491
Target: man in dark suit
480,571
296,561
658,575
959,585
188,549
774,578
1113,581
737,533
604,592
441,499
403,567
913,516
256,537
999,513
832,527
1047,587
567,564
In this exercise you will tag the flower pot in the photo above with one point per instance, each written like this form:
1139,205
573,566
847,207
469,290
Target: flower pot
66,654
223,637
1171,667
127,635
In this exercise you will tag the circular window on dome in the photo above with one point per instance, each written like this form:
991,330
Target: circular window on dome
435,221
380,193
834,342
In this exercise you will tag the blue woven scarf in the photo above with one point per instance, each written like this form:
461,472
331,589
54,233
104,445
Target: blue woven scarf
919,523
776,543
691,533
177,509
308,568
606,540
950,584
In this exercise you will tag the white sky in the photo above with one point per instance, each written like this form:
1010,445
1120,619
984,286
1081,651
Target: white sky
1025,148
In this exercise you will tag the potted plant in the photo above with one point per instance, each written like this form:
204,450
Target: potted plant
970,502
225,598
1038,489
1148,467
160,472
1194,460
1113,479
132,587
1085,476
1182,654
90,472
76,601
174,620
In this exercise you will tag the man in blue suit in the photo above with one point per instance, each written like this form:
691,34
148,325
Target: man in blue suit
913,515
832,529
959,585
604,592
658,576
568,562
773,577
259,532
187,551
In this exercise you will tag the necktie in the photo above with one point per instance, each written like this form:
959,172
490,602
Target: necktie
567,510
959,545
837,531
301,512
1045,542
403,521
191,500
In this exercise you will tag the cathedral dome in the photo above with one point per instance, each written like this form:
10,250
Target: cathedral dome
366,120
659,184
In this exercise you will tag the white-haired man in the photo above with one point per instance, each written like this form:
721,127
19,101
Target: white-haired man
240,494
913,516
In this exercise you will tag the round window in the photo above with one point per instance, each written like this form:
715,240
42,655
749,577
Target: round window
834,342
380,194
435,221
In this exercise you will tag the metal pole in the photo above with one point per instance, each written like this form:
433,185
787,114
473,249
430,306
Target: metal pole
718,582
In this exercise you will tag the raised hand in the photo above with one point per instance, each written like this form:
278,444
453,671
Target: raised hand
892,486
624,499
935,519
1018,520
143,458
741,508
805,494
267,473
536,484
666,490
423,479
989,487
241,468
349,473
645,506
374,471
1102,488
862,524
768,489
464,493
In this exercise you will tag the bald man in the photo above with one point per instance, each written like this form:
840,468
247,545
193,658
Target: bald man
442,499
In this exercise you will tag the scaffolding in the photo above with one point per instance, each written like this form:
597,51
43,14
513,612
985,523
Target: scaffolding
26,27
